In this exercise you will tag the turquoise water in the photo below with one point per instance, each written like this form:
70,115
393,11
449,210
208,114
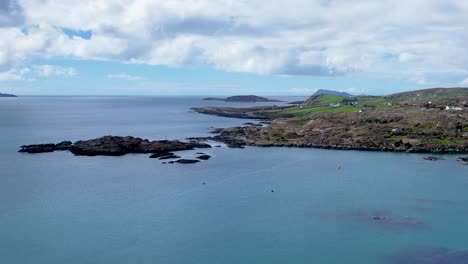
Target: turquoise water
58,208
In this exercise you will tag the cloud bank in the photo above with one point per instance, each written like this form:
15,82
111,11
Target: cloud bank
414,40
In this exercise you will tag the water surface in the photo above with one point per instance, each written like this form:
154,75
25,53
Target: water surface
258,205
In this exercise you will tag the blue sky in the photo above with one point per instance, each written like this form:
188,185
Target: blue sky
203,47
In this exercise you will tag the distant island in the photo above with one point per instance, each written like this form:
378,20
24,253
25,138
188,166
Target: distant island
242,99
331,92
7,95
431,120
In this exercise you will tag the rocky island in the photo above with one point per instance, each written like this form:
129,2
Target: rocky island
430,120
242,99
7,95
116,146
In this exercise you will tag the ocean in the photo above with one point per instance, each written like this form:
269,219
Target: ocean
258,205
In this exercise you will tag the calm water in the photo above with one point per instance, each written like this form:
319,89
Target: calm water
58,208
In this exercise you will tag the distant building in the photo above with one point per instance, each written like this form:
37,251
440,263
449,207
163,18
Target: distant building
456,108
335,105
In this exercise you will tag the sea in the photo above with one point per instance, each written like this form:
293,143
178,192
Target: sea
253,205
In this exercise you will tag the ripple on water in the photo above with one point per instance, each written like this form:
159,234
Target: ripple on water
430,255
376,218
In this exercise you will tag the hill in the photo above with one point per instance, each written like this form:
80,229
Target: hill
7,95
331,92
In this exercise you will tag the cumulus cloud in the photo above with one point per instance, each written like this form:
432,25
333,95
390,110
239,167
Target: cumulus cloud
293,37
125,76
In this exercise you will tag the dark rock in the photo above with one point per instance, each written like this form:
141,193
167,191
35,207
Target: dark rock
204,157
158,155
200,153
64,145
187,161
170,156
116,146
463,160
38,148
432,158
235,146
171,162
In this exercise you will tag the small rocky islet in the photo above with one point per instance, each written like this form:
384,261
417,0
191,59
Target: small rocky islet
119,146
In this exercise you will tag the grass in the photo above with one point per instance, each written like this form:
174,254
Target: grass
441,141
330,99
296,111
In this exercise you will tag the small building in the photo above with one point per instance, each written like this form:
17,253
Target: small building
456,108
335,105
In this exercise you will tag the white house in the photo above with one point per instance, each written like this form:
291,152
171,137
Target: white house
456,108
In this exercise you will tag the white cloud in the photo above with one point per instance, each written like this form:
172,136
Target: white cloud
47,70
125,76
13,74
464,82
293,37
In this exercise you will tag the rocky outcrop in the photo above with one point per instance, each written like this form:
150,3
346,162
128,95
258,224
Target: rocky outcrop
115,146
463,160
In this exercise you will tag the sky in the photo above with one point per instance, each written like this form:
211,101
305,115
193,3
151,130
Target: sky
228,47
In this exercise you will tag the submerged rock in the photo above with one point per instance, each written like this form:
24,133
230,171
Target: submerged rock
204,157
187,161
158,155
432,158
170,156
463,160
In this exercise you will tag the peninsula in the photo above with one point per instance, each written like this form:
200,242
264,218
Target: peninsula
430,120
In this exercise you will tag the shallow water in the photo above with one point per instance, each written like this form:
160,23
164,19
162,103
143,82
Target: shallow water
58,208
